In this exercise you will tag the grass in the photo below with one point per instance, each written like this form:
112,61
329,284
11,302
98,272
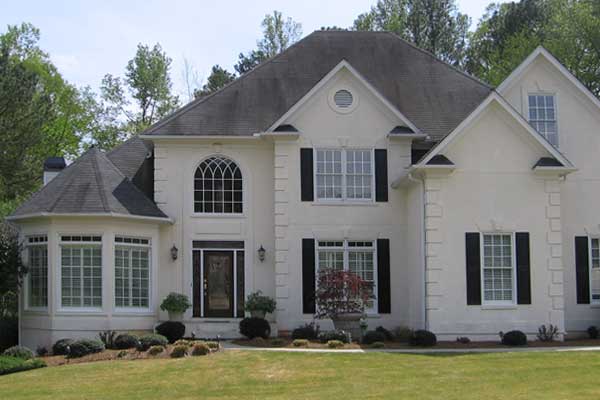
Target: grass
276,375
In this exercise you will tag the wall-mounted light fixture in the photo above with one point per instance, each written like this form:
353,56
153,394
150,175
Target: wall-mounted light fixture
174,252
261,253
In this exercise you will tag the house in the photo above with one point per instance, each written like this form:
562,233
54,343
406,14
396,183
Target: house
470,210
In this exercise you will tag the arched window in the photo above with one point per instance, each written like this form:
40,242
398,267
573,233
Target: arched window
218,186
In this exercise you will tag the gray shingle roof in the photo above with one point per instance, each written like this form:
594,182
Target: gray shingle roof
92,185
435,96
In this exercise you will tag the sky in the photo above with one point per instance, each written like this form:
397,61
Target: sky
88,39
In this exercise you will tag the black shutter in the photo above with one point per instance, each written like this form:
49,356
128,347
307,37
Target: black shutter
582,270
523,268
473,268
196,283
306,174
381,175
308,276
383,277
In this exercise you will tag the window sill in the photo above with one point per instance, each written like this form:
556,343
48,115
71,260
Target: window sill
80,312
345,203
592,305
36,311
219,216
499,307
136,312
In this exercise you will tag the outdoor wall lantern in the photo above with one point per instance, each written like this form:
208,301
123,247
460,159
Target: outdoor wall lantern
261,253
174,252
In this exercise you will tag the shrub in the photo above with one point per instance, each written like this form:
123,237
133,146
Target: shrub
83,347
463,340
278,342
255,327
21,352
593,332
335,344
403,334
155,350
61,347
340,292
300,343
373,336
377,345
213,345
179,351
200,349
513,338
9,333
150,340
258,342
41,351
126,341
9,365
257,302
547,334
108,338
308,331
388,334
422,337
340,335
172,330
183,342
122,353
176,303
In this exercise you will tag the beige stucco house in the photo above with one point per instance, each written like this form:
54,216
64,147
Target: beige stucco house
470,209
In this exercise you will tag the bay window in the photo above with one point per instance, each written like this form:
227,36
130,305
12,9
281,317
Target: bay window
37,278
81,271
132,272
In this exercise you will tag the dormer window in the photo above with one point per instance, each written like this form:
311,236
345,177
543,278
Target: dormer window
542,116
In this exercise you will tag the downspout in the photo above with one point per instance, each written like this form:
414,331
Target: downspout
423,246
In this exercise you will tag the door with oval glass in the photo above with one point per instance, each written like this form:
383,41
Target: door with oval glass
218,283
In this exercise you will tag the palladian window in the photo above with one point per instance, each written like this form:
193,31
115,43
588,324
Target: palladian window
218,187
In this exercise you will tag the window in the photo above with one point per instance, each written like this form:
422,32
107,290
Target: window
81,271
595,271
344,174
357,257
132,272
498,269
218,187
542,116
37,279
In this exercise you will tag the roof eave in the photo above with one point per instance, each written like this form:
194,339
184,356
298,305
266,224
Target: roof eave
160,220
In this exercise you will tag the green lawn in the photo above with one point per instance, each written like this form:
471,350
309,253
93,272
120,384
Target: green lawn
270,375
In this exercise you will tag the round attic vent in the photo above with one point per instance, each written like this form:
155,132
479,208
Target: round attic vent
343,98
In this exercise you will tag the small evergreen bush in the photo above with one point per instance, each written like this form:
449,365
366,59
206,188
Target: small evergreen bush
183,342
593,332
340,335
213,345
389,336
377,345
155,350
403,334
255,327
172,330
300,343
463,340
108,338
335,344
423,338
61,347
21,352
41,351
179,351
308,331
278,342
126,341
153,339
200,349
83,347
513,338
373,336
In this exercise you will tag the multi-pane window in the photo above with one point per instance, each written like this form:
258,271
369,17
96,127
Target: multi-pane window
344,174
498,268
81,271
37,280
132,272
595,270
542,116
218,187
357,257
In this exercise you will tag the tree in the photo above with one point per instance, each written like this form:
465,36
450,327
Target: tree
12,270
191,79
218,78
247,62
433,25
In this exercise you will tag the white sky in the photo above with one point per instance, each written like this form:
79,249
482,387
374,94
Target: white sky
87,39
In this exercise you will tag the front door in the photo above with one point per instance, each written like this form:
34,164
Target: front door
218,284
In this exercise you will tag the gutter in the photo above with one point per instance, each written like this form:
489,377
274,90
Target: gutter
165,220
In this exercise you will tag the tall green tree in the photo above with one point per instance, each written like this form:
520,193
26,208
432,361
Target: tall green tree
433,25
218,78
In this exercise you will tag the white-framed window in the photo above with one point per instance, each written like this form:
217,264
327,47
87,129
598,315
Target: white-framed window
357,257
81,271
132,272
218,187
542,116
595,270
498,268
344,174
37,278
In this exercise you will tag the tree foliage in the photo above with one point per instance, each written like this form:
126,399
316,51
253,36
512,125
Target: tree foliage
218,78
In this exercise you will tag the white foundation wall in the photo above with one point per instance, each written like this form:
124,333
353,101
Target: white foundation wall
579,140
493,189
44,327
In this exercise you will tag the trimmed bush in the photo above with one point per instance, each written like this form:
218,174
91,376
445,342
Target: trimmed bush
172,330
126,341
153,339
593,332
122,353
9,365
9,333
179,351
308,331
183,342
200,349
463,340
373,336
300,343
335,344
403,334
61,347
155,350
108,338
514,338
213,345
21,352
255,327
84,347
41,351
340,335
278,342
389,336
423,338
377,345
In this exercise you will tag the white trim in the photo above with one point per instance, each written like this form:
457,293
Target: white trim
91,215
26,281
590,264
541,51
498,303
461,128
151,277
343,64
200,137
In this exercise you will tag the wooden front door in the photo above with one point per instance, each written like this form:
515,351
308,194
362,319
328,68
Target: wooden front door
218,284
